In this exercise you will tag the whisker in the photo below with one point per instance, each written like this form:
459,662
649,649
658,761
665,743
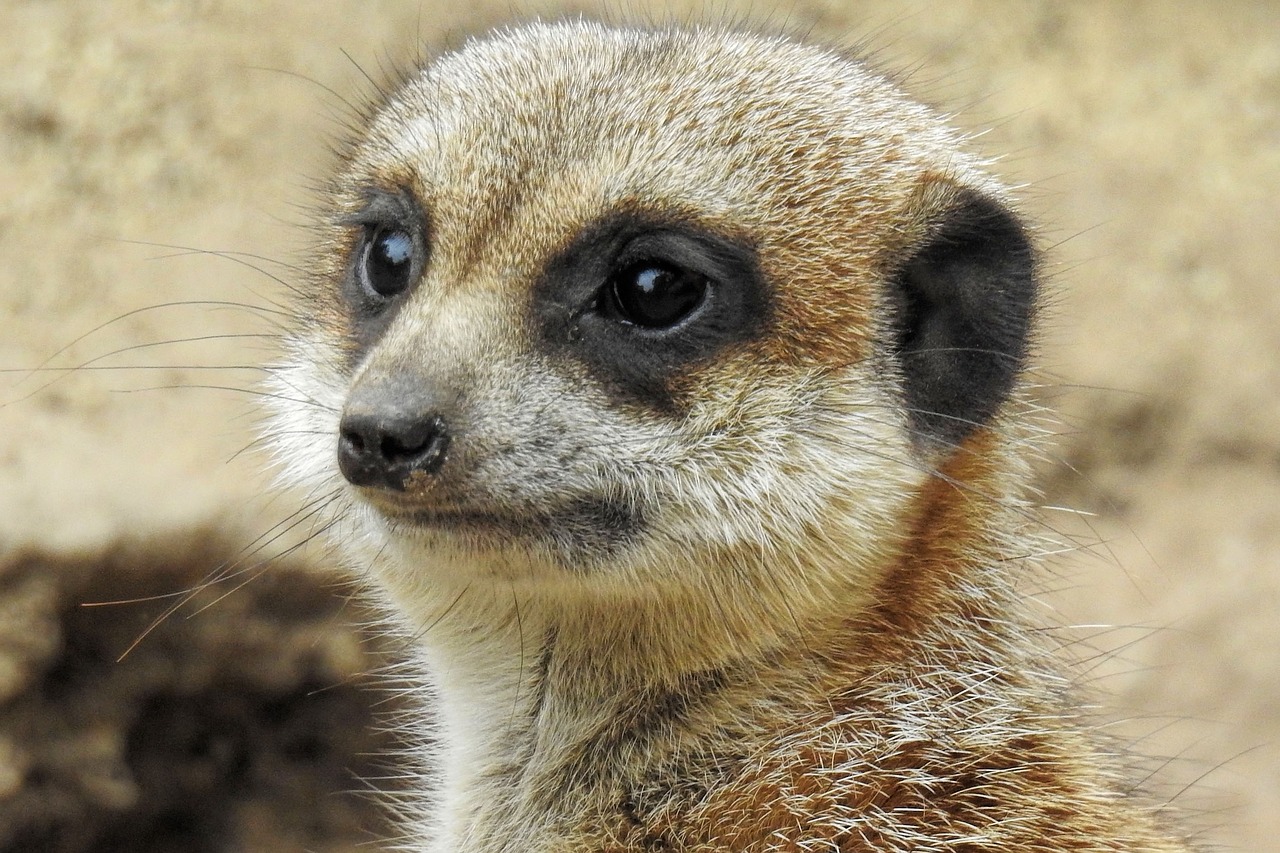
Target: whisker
253,392
121,367
240,258
218,574
88,365
201,303
264,566
333,93
515,701
422,632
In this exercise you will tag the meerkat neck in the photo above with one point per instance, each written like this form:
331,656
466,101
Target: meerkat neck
539,688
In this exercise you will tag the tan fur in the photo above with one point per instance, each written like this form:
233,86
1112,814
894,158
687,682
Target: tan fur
816,643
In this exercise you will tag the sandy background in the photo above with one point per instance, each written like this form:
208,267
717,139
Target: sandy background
1146,135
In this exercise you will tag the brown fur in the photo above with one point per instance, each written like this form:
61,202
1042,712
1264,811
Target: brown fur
814,640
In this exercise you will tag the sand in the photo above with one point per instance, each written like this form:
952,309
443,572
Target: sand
1145,138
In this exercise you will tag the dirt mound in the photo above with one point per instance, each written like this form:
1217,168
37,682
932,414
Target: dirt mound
243,721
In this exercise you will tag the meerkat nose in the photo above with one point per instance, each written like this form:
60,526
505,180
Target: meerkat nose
383,448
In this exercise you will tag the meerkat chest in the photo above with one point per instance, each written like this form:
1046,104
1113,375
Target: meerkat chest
554,766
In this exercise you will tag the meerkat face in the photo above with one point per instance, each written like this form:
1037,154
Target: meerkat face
594,302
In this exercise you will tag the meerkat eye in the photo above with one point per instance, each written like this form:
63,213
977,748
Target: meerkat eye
653,294
386,265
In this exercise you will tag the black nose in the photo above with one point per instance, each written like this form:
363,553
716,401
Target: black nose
384,449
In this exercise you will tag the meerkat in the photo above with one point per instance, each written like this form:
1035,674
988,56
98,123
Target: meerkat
668,387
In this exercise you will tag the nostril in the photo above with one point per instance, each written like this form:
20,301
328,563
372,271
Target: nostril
394,448
384,451
353,440
421,446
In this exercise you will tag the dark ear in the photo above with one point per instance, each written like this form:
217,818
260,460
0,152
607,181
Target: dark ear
966,299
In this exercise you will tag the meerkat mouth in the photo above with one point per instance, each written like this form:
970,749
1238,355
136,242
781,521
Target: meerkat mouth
410,513
582,521
454,518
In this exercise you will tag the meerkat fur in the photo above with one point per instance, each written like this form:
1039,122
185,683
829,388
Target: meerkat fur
743,581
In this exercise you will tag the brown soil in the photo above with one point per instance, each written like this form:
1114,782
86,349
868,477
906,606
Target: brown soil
1147,136
249,727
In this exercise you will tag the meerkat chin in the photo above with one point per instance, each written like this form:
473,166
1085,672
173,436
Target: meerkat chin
669,382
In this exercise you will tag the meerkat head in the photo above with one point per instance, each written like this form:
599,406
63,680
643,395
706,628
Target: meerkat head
614,309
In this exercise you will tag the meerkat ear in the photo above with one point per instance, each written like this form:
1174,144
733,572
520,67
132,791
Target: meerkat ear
966,300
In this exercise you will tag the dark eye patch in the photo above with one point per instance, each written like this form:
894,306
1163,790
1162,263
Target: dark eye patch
641,301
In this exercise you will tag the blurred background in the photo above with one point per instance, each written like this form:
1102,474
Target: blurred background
1145,138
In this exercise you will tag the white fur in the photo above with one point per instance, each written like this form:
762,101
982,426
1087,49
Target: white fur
771,507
